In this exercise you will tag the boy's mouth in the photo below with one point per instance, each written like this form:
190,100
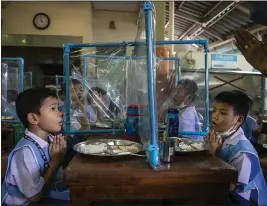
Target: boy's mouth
214,124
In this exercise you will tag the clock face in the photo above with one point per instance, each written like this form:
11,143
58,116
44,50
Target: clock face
41,21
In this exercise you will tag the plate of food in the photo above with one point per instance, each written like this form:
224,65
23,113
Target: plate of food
108,147
102,125
189,145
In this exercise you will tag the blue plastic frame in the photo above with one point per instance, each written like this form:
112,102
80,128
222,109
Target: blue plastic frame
263,83
153,147
21,80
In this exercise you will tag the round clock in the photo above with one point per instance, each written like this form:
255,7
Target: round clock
41,21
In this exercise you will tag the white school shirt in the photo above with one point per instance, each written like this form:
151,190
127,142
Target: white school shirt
188,119
24,172
242,163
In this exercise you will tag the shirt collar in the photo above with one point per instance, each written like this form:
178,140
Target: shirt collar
233,139
39,140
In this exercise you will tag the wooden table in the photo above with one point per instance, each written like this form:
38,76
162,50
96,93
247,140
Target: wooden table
130,178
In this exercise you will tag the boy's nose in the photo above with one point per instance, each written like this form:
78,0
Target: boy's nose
61,113
214,116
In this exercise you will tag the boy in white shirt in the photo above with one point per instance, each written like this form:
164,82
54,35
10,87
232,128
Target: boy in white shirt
182,98
35,162
227,141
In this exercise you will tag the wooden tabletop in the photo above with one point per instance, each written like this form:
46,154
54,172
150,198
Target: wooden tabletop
97,178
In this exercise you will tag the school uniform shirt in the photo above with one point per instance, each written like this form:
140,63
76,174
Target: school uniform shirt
24,172
189,121
249,126
238,152
90,114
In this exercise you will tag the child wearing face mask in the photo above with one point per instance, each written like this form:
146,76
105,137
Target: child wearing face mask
227,141
182,99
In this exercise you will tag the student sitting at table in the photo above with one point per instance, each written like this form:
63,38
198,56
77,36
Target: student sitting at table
227,141
34,170
251,127
78,119
182,99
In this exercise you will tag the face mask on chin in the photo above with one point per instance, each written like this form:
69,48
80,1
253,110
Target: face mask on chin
182,105
227,132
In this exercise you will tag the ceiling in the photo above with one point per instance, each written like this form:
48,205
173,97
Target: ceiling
125,6
215,21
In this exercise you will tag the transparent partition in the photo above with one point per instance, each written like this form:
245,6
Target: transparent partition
232,80
12,76
138,87
27,80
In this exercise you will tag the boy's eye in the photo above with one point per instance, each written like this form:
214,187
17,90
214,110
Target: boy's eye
53,108
223,113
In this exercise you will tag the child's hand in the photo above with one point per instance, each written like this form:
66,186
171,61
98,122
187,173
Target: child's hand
58,150
214,142
74,96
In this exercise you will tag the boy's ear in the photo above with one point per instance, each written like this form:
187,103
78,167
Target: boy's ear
33,118
240,120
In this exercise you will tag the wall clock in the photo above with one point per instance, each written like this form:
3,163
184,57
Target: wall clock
41,21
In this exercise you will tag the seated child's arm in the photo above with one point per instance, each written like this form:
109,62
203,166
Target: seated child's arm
25,171
243,165
57,153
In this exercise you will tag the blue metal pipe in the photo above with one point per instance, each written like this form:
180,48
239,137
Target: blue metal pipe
153,147
57,85
21,70
207,103
126,57
201,42
263,83
67,89
10,121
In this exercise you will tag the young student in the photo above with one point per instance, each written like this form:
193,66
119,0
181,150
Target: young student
182,99
33,170
251,127
78,119
227,141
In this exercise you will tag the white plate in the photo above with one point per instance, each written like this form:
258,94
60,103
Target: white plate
189,145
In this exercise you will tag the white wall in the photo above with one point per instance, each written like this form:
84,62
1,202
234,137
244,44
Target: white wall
67,18
126,28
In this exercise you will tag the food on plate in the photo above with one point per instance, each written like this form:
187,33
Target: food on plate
91,149
128,148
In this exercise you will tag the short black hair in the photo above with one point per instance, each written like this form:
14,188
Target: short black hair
30,101
73,81
191,87
237,99
99,90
